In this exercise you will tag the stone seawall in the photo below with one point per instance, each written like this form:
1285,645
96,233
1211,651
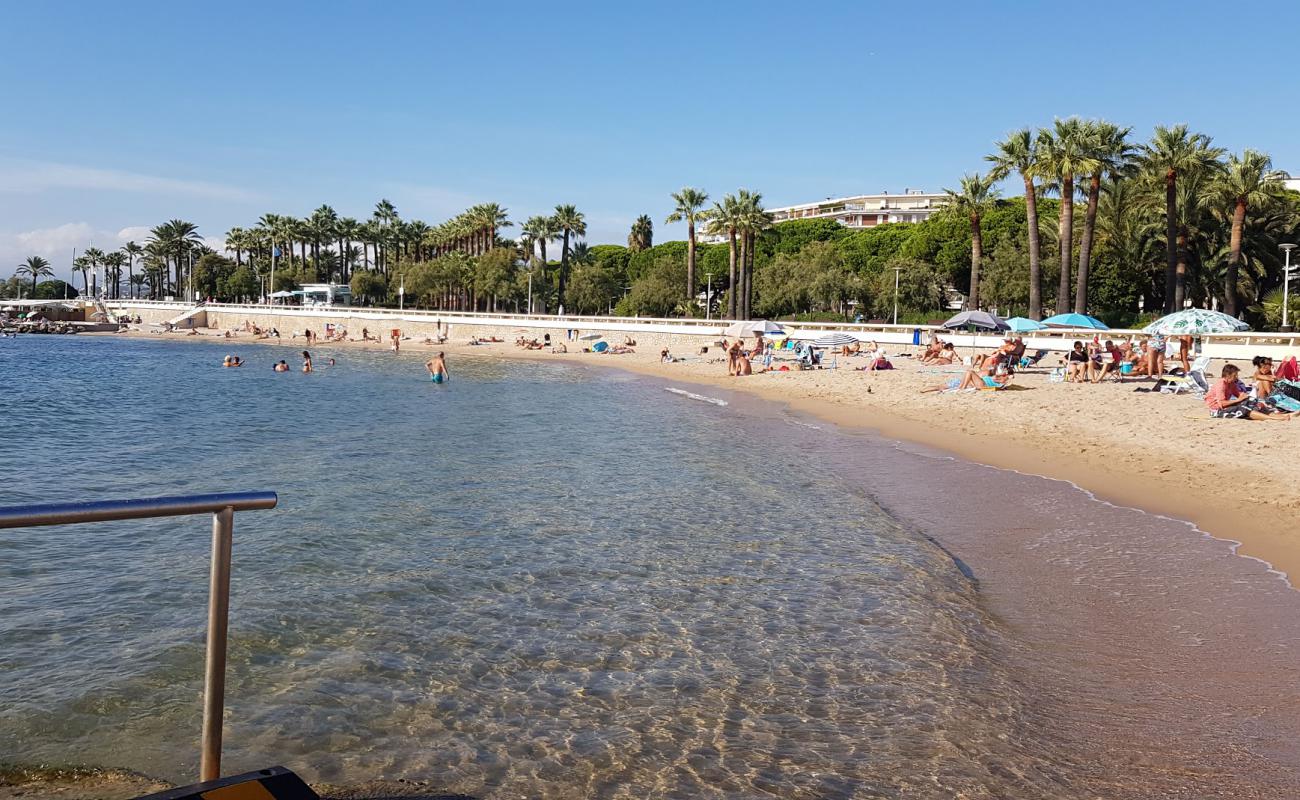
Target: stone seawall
456,329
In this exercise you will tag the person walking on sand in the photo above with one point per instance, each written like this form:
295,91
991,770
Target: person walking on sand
437,367
397,340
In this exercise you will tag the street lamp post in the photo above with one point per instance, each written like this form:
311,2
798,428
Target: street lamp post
1286,285
896,271
530,292
708,295
401,295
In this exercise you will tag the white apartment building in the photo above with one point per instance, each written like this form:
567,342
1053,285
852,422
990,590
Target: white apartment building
867,210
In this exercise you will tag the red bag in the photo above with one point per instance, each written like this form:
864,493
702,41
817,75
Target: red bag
1288,370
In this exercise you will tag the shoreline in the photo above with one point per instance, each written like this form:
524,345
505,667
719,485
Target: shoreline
1148,480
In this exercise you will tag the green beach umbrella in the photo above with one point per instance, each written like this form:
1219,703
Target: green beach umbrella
1194,321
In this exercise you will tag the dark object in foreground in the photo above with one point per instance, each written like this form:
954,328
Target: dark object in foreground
275,783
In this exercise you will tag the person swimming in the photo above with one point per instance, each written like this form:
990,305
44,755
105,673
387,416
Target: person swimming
281,367
437,367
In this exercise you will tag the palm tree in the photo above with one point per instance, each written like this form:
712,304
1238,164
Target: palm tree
723,221
1174,152
1065,154
540,229
492,217
177,237
569,222
323,225
751,222
976,197
94,259
1109,147
113,263
1017,153
642,235
82,264
690,207
37,267
133,251
1247,181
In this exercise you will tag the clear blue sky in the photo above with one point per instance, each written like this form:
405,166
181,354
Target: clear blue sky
120,116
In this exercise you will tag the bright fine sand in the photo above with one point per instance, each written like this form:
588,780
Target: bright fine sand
1234,479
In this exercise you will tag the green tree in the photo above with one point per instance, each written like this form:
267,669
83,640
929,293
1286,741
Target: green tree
592,289
1064,154
921,288
494,275
209,273
1018,153
1109,148
975,198
1173,153
642,235
54,290
37,268
571,223
240,285
724,220
368,286
1248,181
689,205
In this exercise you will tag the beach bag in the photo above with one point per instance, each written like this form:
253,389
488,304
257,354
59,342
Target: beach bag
1288,369
1286,388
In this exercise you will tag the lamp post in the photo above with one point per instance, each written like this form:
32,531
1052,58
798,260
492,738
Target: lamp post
1286,285
896,271
708,295
530,292
401,295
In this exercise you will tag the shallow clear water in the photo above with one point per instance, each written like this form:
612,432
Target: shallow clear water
547,581
536,580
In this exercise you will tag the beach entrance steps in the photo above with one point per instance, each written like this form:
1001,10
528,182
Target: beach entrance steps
274,783
196,317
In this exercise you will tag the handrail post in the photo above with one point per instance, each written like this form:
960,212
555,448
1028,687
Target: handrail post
214,678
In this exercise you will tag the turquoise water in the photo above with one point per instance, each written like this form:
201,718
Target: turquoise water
538,580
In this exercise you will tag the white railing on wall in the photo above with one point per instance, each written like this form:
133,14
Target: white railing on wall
1223,346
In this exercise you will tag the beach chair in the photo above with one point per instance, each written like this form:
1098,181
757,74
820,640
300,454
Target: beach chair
1032,361
1194,381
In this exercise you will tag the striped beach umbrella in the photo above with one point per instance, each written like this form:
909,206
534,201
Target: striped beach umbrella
835,340
1195,321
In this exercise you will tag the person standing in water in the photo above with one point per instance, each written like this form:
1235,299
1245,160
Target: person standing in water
306,361
437,367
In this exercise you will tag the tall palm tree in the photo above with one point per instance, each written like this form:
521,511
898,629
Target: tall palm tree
570,222
94,259
689,205
1109,147
322,224
1247,181
975,198
1171,153
133,251
82,264
348,230
178,237
1017,153
1065,155
37,267
642,235
493,217
113,263
541,229
724,221
751,222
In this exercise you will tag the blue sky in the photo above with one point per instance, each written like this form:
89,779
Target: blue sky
120,116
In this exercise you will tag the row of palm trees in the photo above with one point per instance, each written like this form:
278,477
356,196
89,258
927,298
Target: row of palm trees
384,239
741,219
566,225
1095,160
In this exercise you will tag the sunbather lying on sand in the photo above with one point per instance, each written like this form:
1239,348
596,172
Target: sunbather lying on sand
972,380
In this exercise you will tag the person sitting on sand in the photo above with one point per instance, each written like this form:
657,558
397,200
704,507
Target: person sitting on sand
851,349
281,366
1108,361
933,350
733,353
665,356
1263,377
560,348
628,341
743,365
1227,400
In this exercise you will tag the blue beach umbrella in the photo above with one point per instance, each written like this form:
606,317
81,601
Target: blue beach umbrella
1075,321
1024,324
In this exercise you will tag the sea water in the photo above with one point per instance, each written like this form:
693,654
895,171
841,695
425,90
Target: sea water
537,580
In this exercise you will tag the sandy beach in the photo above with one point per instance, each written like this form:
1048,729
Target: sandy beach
1158,452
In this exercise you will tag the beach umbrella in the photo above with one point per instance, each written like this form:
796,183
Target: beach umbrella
976,319
835,340
1024,324
751,327
1075,321
590,337
1195,321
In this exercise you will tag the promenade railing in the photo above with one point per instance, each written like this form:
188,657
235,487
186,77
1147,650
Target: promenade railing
1220,345
223,508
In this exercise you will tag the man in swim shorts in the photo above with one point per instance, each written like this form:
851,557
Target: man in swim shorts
437,367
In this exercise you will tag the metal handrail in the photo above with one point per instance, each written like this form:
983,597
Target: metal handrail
223,508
